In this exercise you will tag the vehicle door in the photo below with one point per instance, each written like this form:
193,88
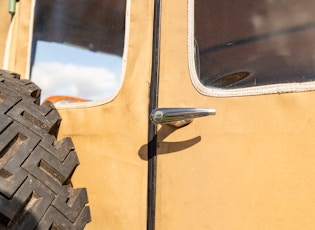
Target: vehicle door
251,165
108,131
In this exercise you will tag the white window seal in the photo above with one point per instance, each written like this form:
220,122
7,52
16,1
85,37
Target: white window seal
123,72
246,91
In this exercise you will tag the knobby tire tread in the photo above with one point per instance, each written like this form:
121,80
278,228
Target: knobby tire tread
35,169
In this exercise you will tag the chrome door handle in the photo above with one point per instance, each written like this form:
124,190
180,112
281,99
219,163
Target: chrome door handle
178,117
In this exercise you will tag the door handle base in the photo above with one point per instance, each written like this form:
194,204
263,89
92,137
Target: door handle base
178,117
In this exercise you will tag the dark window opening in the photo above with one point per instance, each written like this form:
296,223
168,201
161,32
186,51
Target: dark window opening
247,43
78,47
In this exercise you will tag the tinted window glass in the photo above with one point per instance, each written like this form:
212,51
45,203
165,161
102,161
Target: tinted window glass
78,47
246,43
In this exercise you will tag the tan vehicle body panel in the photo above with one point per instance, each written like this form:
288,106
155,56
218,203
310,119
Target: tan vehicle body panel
254,165
251,166
19,41
4,27
108,138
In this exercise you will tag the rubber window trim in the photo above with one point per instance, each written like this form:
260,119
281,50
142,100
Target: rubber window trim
123,72
246,91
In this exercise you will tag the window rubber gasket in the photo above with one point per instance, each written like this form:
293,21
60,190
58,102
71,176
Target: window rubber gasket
102,101
246,91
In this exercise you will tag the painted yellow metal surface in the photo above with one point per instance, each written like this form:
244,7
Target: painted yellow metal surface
251,166
111,139
4,28
19,45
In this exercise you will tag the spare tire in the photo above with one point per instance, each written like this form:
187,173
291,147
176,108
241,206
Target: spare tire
35,168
